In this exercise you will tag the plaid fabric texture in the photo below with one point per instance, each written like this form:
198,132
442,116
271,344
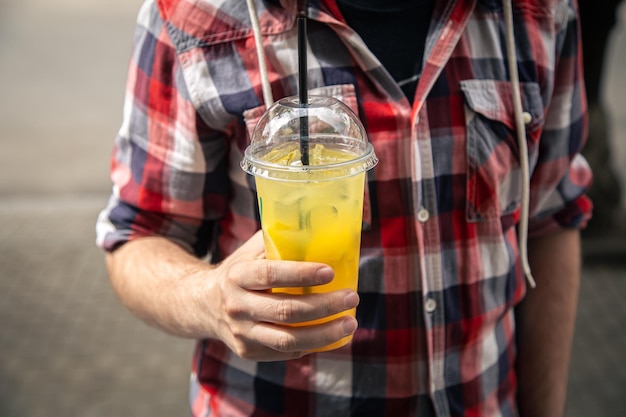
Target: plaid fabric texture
439,272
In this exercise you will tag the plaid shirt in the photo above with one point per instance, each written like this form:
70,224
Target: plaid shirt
439,271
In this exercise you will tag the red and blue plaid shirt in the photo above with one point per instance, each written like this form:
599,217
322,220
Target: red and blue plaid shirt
439,272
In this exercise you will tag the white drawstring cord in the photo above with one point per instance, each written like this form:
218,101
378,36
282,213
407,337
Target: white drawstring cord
260,52
521,140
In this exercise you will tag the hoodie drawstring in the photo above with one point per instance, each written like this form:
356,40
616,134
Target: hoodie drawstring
260,52
521,140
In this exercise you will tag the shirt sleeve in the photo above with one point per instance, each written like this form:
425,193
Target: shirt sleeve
168,167
562,175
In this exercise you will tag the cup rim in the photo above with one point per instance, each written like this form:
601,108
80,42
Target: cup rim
312,102
260,168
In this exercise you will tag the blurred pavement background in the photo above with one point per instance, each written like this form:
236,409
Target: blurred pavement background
67,346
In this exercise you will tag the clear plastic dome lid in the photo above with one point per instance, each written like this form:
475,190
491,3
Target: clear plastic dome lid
325,140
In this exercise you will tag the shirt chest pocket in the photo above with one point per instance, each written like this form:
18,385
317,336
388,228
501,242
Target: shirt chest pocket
493,187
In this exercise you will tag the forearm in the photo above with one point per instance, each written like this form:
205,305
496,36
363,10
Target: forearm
232,302
158,281
545,324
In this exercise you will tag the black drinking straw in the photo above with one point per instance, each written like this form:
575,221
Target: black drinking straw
303,93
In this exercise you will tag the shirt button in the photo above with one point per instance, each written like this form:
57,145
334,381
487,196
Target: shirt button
527,118
430,306
423,215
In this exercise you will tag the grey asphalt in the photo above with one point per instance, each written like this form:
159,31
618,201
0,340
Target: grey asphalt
67,346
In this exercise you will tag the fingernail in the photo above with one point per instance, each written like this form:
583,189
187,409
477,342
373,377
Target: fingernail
325,275
351,300
349,325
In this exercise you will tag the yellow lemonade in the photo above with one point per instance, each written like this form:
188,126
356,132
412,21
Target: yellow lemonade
314,216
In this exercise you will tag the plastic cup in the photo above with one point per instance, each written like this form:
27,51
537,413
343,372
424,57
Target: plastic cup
312,212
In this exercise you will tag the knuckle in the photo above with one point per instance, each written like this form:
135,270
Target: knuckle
242,351
233,308
246,353
329,306
285,311
268,274
285,343
240,346
238,334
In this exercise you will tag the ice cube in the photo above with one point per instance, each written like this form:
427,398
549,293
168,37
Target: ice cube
323,216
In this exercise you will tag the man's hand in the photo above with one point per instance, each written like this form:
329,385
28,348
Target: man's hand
231,301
